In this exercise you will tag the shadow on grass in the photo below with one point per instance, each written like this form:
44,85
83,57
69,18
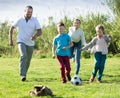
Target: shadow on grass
108,78
111,75
42,80
54,96
112,78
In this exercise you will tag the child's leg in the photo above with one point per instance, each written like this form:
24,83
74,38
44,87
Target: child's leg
62,68
67,66
101,68
97,63
77,57
72,52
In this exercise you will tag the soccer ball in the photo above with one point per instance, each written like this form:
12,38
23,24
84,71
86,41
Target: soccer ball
76,80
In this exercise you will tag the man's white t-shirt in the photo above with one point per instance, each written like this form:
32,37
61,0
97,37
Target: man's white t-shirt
26,30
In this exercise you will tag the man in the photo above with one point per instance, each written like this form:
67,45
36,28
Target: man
25,38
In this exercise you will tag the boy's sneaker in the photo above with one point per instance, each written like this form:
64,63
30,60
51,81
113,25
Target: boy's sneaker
92,78
64,81
68,77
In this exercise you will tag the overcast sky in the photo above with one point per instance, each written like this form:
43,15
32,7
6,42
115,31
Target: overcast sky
13,9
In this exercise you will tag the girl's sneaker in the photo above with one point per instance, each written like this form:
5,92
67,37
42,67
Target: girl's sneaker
92,78
98,81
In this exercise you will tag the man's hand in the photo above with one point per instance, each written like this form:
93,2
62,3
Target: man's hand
11,43
39,32
10,36
33,37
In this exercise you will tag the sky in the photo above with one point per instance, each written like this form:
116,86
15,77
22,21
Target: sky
12,10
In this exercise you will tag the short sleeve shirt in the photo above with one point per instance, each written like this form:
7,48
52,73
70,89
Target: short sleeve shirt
60,41
26,30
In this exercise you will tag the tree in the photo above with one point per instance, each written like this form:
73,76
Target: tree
114,5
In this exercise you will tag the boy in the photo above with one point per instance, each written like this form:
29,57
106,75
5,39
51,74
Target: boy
99,45
62,43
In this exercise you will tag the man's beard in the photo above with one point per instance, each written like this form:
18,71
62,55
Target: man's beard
27,17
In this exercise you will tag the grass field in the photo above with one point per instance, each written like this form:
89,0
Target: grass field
46,72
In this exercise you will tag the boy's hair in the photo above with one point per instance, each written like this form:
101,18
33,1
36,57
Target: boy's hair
100,27
60,24
77,20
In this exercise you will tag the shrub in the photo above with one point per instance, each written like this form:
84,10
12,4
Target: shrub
85,54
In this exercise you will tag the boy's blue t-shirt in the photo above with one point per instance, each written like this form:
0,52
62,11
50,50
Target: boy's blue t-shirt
60,41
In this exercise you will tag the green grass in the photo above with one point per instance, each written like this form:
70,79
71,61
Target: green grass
46,72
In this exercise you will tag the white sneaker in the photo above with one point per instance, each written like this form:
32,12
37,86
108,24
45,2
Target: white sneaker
73,59
76,75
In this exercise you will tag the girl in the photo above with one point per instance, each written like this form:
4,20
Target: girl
99,45
78,39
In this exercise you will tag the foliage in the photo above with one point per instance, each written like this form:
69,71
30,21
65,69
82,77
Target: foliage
85,54
43,44
114,5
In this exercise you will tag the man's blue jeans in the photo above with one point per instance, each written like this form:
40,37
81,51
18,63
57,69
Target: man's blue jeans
76,53
25,57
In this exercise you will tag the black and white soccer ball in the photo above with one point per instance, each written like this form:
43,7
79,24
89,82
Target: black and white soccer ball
76,80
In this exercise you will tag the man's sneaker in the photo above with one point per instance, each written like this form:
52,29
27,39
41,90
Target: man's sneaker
23,78
68,77
92,78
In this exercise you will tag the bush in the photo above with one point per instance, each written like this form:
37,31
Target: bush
117,55
110,55
85,54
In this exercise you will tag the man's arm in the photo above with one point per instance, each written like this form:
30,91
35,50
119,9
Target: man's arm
39,32
10,36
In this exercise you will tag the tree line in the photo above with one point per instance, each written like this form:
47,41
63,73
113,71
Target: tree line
88,24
